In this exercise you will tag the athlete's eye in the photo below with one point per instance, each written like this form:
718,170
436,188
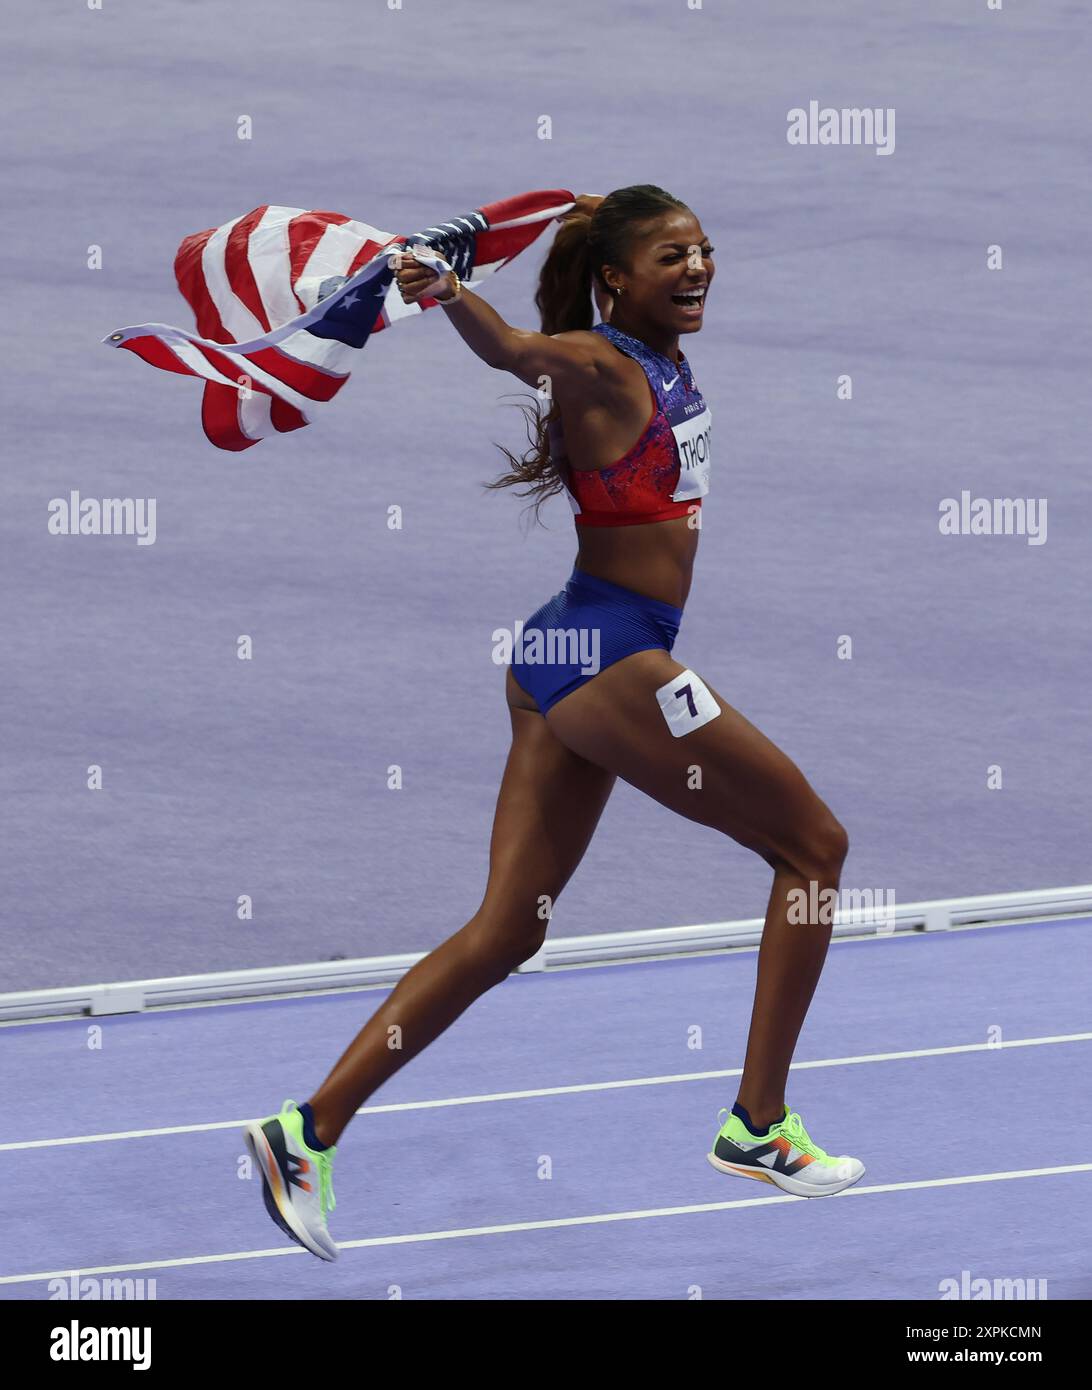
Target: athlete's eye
675,256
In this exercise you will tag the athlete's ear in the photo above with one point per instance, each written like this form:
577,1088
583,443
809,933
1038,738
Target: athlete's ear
604,301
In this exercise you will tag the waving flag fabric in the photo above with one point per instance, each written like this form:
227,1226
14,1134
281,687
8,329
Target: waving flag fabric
284,298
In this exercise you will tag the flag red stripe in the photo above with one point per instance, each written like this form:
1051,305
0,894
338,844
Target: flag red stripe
495,246
220,418
190,275
231,369
366,252
526,205
302,377
156,353
502,246
285,417
237,266
304,234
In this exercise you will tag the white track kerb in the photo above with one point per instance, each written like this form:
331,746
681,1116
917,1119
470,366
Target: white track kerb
134,996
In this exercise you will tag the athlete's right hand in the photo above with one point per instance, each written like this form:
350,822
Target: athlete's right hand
417,281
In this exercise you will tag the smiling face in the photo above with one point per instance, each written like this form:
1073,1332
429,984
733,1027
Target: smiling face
666,282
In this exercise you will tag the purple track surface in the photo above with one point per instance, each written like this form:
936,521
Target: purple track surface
373,647
456,1168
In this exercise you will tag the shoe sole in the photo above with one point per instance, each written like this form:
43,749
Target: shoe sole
786,1183
277,1200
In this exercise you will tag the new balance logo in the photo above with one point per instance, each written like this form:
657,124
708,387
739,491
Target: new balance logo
778,1158
296,1166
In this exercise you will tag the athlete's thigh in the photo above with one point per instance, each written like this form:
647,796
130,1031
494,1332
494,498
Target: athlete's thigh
724,773
550,801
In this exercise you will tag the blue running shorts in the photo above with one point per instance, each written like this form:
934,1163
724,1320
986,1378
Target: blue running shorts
581,631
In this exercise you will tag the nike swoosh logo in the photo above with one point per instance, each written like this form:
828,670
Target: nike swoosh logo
668,384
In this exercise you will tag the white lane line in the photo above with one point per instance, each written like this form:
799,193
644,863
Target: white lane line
553,1224
561,1090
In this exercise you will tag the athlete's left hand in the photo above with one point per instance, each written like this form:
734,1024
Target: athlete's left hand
584,206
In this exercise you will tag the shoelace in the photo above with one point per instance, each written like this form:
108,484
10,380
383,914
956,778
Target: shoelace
326,1183
325,1168
792,1126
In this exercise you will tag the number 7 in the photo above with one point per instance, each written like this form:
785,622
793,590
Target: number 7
685,690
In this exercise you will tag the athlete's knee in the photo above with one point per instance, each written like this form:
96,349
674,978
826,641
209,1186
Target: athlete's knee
816,849
504,943
825,846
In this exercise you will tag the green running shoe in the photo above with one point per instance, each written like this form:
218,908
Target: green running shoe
786,1156
296,1181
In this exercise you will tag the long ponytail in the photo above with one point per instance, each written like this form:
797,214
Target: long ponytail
563,298
582,246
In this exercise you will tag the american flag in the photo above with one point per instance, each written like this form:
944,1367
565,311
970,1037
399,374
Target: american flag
284,297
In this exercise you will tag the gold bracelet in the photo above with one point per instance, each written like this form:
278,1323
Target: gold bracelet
458,289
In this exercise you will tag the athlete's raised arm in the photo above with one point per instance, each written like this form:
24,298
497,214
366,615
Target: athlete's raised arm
567,359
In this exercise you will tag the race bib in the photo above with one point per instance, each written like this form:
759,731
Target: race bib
687,703
691,424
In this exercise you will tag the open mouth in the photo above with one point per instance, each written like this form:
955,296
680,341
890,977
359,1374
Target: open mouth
691,299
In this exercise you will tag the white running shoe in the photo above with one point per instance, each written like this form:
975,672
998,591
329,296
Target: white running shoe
786,1156
296,1181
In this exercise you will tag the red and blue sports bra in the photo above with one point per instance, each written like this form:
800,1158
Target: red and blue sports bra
667,471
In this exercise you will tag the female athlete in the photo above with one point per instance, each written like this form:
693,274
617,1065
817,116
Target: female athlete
627,437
